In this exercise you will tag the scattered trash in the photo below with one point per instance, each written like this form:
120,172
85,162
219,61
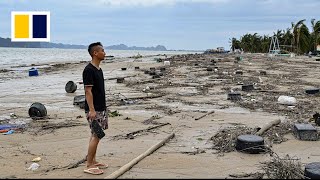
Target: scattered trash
252,144
37,159
312,90
158,59
7,126
70,87
316,118
248,87
12,115
239,72
114,114
125,102
166,63
9,132
312,170
120,80
263,73
305,132
37,110
282,168
79,101
33,72
234,96
33,166
287,100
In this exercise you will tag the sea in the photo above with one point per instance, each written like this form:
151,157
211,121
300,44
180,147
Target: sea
12,58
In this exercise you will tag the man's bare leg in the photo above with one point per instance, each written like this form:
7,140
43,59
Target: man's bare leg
92,150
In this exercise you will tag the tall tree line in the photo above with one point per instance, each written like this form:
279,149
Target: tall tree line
297,38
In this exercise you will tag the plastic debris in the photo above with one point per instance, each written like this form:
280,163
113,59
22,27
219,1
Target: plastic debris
9,132
37,159
33,166
12,115
287,100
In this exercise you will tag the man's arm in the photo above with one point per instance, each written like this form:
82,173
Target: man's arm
89,98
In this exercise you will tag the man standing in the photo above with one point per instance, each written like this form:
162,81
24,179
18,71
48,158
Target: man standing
95,104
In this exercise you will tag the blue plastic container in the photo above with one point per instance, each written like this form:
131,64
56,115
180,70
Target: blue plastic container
33,72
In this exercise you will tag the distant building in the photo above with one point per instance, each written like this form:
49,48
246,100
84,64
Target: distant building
220,49
216,51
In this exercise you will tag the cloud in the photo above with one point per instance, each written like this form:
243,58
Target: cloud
150,3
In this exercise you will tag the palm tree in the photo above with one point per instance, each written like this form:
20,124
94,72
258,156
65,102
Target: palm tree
315,34
304,40
235,44
297,34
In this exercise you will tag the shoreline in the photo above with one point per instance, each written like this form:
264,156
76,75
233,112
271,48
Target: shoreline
187,91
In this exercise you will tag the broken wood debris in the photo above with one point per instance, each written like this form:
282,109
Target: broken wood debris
257,175
210,112
129,165
282,168
131,135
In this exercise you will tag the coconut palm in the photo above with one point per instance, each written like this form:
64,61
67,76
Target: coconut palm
315,34
304,40
235,44
298,37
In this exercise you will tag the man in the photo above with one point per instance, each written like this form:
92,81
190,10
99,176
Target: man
95,104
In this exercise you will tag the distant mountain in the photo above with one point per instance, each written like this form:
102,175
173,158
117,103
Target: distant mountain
6,42
61,46
125,47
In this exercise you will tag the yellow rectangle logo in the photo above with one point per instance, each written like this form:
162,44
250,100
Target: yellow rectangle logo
21,26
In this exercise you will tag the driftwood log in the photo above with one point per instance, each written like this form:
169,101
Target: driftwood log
210,112
268,126
132,134
129,165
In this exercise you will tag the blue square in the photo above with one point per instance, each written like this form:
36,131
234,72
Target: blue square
39,26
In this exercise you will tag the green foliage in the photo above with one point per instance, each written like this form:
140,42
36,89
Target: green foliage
296,39
114,114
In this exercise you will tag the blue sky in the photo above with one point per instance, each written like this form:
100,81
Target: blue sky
176,24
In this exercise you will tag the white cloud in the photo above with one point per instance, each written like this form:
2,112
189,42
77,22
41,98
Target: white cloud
149,3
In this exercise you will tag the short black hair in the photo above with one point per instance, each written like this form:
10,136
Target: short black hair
91,47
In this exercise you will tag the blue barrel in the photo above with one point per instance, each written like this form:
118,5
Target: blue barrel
33,72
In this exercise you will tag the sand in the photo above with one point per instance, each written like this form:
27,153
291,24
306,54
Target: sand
189,154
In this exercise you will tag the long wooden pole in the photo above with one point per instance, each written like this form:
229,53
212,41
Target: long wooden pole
210,112
129,165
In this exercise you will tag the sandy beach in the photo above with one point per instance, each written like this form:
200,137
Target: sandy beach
185,91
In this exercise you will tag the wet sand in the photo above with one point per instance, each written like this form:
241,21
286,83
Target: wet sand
181,103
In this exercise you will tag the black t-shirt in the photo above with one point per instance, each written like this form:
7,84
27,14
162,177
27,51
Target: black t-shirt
94,77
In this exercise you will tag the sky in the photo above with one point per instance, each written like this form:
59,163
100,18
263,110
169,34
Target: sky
176,24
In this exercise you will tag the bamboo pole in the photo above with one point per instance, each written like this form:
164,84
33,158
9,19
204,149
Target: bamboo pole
129,165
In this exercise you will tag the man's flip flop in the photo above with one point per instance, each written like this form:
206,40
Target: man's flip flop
95,171
101,166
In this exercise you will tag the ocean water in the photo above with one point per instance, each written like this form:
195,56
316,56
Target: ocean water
17,57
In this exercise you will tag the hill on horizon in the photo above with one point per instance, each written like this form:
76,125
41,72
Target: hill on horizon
6,42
